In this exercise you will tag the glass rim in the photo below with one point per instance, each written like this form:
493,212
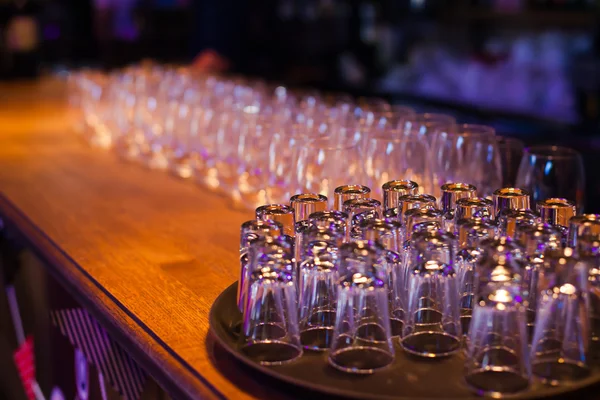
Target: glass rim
551,152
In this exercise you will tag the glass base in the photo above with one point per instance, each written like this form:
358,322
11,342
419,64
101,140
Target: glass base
496,383
317,339
360,360
554,372
272,352
431,344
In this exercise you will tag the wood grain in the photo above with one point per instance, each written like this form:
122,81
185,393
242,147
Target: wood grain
147,252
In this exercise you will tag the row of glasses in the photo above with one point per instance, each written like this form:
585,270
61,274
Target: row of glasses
261,143
516,300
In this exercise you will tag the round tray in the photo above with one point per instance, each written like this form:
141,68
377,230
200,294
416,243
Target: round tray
407,378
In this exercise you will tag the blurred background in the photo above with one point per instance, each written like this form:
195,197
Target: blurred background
530,68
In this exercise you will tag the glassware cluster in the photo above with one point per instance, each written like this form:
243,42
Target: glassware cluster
261,143
510,285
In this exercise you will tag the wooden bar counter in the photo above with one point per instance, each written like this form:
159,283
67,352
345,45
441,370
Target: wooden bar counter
144,252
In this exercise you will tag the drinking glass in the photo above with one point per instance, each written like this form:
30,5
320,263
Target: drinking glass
318,293
585,225
359,210
285,144
497,362
511,152
393,190
251,231
270,323
510,198
560,345
468,154
278,213
473,207
305,204
535,239
362,339
336,221
387,234
389,156
471,234
510,220
348,192
557,212
432,321
252,165
324,165
497,359
451,193
552,171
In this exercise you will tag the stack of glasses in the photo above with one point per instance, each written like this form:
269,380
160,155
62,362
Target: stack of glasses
260,144
512,288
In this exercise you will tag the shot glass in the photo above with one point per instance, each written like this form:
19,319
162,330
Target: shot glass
386,234
473,207
432,320
337,221
511,198
251,231
589,252
557,212
535,240
393,190
344,193
560,345
305,204
278,213
318,294
451,193
359,210
497,363
270,320
411,201
587,225
362,341
509,220
471,233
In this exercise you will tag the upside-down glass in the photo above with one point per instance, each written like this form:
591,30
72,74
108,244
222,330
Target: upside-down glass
362,339
336,221
451,193
557,212
270,321
560,345
432,320
249,232
359,210
387,234
510,220
473,207
279,213
318,294
497,359
552,171
393,190
389,156
535,239
585,225
471,232
305,204
348,192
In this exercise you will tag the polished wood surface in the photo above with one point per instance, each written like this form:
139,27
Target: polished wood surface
146,251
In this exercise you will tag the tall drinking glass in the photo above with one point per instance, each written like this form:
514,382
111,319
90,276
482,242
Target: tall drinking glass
552,171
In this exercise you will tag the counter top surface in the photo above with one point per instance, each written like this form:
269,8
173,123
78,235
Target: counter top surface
150,252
